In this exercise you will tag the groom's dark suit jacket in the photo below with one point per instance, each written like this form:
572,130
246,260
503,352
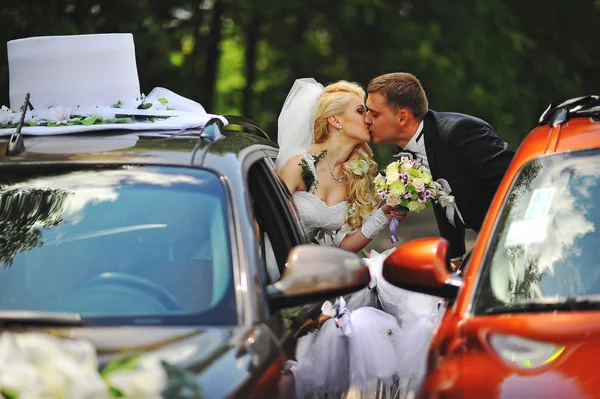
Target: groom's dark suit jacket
466,152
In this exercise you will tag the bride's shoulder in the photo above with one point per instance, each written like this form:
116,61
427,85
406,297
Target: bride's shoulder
292,172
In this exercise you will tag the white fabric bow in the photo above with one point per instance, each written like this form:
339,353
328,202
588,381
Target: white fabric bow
448,201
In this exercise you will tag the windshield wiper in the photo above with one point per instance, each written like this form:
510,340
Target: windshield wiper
11,318
569,304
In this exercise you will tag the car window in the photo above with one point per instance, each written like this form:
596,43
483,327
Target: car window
545,247
273,214
129,242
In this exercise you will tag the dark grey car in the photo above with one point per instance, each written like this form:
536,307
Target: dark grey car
170,242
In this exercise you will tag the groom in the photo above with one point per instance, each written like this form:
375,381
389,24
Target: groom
459,148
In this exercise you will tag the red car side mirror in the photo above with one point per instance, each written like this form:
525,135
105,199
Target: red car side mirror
422,265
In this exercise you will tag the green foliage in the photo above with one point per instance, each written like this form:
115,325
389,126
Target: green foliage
493,59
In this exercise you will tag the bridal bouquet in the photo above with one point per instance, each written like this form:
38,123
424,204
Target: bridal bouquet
408,185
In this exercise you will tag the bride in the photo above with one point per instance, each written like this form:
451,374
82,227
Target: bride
325,162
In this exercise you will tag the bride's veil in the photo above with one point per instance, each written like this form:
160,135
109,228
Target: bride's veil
297,120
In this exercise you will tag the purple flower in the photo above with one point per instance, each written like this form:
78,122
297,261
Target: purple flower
381,193
428,194
407,195
404,177
404,159
422,199
416,164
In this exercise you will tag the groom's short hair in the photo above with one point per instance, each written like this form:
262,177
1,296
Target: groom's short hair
401,90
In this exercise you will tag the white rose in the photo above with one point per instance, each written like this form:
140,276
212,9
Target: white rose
148,380
392,200
45,366
418,184
406,167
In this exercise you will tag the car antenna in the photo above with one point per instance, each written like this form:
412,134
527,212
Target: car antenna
15,144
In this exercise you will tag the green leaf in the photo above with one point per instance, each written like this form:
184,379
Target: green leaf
170,109
145,106
404,202
32,123
119,104
8,394
127,361
120,120
115,393
89,121
162,100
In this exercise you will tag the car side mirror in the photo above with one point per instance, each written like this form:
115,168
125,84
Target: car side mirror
422,265
316,272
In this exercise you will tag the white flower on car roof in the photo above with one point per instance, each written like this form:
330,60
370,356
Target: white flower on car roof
57,115
10,117
104,113
7,115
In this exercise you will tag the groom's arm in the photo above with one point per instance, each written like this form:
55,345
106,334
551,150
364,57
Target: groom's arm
454,235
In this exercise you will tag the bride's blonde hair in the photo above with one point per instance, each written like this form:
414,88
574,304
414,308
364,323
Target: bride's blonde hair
334,100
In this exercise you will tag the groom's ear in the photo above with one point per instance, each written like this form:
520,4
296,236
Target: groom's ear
402,116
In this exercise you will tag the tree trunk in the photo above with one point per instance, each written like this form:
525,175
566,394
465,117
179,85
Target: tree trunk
250,55
211,66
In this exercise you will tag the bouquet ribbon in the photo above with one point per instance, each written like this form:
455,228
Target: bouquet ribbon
393,226
449,202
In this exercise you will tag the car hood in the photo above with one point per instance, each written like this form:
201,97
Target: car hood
173,344
222,359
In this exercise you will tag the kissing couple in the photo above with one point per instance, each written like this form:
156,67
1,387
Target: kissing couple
376,339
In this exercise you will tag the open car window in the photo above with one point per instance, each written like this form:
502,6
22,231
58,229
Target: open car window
116,244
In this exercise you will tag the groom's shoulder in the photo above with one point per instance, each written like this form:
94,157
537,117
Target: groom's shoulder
451,120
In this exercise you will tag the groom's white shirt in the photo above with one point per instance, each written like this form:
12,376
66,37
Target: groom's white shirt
418,146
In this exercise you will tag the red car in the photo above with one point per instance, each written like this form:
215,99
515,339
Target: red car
523,321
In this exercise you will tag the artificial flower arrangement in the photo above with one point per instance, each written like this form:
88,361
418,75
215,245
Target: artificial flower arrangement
66,116
408,185
39,365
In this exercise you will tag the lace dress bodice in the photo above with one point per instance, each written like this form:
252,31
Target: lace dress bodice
318,217
321,222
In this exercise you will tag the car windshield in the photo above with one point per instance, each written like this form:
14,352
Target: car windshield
546,246
116,244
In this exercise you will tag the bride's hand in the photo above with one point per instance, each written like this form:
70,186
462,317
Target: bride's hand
393,212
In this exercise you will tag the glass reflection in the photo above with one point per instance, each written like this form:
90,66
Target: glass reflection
546,244
122,241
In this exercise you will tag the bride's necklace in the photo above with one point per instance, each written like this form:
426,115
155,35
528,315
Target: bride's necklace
339,179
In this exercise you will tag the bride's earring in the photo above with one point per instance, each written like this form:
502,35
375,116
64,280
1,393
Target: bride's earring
340,128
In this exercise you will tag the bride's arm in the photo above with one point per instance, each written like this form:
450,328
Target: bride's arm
291,174
361,237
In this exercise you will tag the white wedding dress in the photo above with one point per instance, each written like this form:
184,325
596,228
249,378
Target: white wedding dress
378,342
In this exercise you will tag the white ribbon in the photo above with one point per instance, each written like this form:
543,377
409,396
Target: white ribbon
448,201
342,318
